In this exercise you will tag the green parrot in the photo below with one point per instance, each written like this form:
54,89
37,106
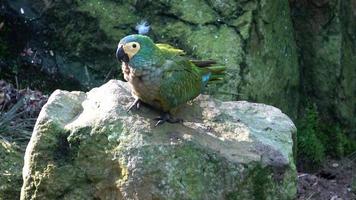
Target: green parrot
161,76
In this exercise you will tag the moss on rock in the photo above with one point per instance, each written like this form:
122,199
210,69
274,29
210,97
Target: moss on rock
10,170
262,183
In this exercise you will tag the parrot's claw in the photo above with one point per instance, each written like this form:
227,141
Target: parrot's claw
135,104
166,117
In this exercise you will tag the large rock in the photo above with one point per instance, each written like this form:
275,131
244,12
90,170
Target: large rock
254,39
86,146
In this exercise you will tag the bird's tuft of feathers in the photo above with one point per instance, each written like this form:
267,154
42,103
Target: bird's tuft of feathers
142,27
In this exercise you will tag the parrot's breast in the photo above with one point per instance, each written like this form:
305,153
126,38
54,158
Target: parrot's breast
145,84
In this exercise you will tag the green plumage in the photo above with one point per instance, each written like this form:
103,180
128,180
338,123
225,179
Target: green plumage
161,77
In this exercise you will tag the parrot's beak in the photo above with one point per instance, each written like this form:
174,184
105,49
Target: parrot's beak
121,55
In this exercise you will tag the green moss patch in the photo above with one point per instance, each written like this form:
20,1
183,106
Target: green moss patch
10,171
316,139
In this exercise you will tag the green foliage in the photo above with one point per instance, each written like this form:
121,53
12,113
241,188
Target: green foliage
311,150
4,43
3,48
4,51
317,139
13,127
353,186
336,141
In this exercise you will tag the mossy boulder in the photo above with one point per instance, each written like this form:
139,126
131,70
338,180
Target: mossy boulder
87,146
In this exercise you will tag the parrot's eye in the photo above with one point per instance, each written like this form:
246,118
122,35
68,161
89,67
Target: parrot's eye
131,48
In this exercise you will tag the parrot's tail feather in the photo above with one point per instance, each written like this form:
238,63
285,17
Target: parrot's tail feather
216,77
203,63
216,69
214,74
211,71
215,82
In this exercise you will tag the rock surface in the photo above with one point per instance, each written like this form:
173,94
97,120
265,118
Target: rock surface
86,146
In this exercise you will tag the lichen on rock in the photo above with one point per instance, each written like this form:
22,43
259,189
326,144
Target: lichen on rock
85,146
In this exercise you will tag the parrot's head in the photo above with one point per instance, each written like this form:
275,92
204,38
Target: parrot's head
135,49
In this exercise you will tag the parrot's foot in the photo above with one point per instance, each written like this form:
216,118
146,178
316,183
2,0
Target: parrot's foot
166,117
136,104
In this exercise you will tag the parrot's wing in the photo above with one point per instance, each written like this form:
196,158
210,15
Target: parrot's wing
181,82
166,48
